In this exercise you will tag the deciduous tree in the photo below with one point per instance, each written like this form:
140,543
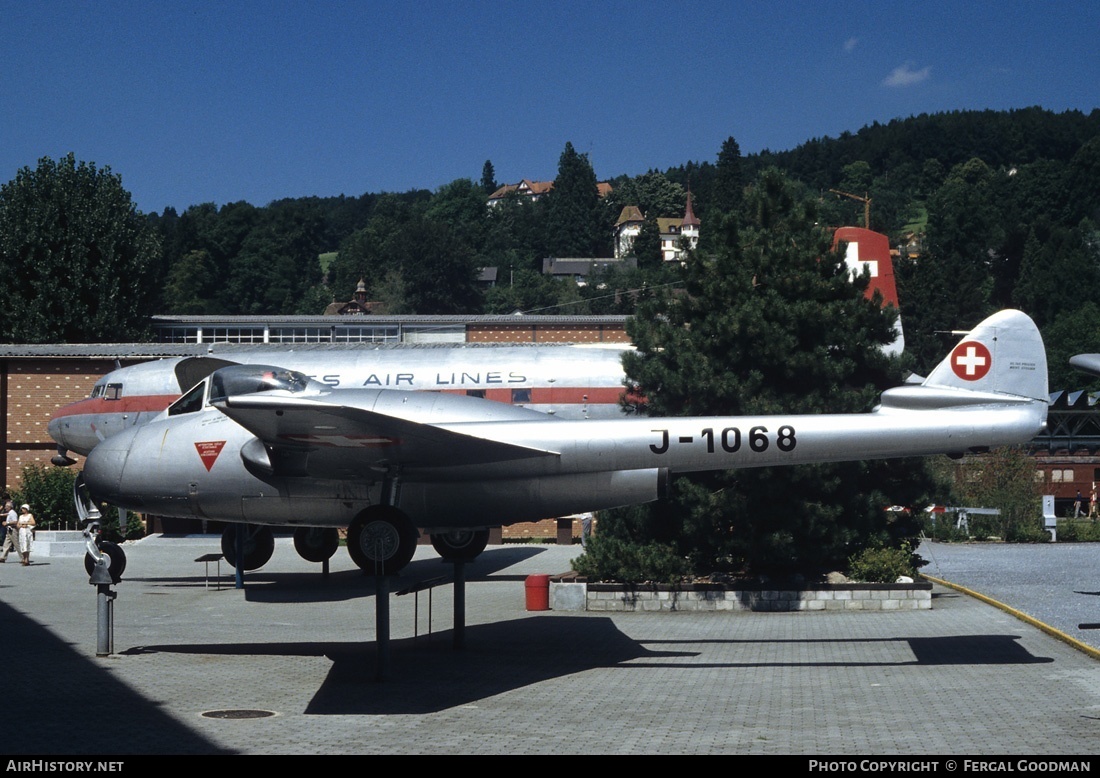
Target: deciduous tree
75,255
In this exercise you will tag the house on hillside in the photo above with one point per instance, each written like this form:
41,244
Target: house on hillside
532,191
674,232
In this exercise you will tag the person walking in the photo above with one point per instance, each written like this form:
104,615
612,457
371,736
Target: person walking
25,525
10,531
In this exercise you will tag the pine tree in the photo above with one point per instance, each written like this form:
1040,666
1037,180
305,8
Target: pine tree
771,324
572,208
488,178
949,287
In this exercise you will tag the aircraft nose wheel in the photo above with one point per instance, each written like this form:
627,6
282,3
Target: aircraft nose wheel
381,535
115,555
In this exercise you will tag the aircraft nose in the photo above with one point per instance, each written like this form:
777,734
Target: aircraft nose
74,428
105,465
56,432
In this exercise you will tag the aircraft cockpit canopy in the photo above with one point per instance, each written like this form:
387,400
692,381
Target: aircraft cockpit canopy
238,380
246,379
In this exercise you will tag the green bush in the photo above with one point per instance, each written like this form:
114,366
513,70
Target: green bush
942,527
613,559
882,565
1081,530
49,492
110,529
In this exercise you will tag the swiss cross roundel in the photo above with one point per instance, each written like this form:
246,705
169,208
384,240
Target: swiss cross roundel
971,360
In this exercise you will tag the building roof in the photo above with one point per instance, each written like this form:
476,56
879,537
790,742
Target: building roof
164,350
690,219
630,213
329,321
528,188
573,266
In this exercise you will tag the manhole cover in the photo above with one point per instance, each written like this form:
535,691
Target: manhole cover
238,714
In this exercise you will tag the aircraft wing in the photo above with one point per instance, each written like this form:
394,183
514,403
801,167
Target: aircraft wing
312,436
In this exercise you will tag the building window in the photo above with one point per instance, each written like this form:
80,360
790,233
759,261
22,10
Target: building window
234,335
301,335
366,334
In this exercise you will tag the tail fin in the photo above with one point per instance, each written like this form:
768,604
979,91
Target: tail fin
1002,359
1002,355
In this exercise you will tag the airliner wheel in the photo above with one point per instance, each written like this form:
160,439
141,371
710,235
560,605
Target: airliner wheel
259,545
460,545
316,544
381,539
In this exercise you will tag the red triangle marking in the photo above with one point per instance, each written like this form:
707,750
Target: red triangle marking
208,451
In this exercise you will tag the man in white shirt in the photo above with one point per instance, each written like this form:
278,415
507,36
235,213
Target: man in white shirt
11,518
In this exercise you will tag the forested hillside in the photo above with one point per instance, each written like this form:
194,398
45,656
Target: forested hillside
1000,209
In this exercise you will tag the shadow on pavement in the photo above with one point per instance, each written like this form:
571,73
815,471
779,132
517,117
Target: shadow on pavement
426,675
56,694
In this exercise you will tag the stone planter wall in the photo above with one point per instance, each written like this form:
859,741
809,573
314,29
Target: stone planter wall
575,594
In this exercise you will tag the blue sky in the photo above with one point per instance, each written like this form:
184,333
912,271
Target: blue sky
224,101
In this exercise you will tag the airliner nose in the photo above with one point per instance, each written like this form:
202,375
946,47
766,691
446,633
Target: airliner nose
105,465
74,428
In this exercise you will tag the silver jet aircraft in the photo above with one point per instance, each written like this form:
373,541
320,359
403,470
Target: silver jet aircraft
265,445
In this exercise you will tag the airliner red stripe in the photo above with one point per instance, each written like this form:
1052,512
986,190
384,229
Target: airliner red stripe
136,404
557,395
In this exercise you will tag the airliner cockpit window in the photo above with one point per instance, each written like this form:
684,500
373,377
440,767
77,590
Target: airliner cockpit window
114,391
97,391
190,402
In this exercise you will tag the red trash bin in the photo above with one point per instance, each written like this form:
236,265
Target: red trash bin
538,592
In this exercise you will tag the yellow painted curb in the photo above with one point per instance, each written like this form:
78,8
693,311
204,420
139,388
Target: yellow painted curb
1057,633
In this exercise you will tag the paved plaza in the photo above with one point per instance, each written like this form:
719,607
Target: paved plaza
291,662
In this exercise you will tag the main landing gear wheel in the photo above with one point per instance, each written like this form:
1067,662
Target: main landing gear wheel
259,545
115,555
381,535
460,545
316,544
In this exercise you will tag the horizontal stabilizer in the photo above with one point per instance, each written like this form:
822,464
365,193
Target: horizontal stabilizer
1088,363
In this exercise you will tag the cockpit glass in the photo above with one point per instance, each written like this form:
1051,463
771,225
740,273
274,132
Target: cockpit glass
190,402
246,379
